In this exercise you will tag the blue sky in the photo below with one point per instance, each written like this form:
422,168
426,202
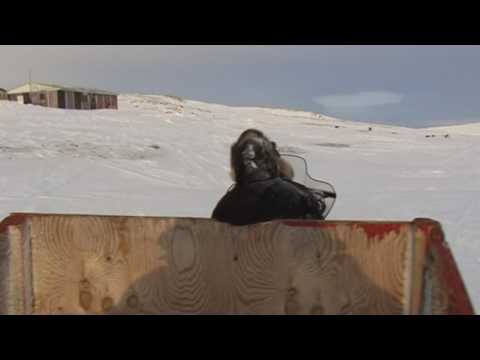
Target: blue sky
414,86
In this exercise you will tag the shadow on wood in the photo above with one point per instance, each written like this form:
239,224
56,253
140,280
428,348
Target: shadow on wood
316,285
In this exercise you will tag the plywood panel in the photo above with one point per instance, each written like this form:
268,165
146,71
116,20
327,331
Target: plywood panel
114,264
104,264
16,295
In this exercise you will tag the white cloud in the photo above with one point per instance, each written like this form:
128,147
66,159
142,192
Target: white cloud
361,99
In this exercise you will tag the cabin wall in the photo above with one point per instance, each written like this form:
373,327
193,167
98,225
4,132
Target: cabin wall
113,103
69,100
52,99
39,98
61,99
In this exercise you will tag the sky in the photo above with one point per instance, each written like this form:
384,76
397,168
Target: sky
414,86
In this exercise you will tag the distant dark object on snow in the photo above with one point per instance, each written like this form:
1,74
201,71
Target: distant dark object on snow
433,136
393,132
369,129
446,136
336,145
336,126
427,136
156,147
175,97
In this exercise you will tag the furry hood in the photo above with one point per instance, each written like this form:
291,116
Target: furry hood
254,157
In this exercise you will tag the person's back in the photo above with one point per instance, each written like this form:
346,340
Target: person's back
261,192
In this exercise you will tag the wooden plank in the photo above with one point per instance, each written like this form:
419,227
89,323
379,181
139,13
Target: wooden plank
114,264
4,273
16,296
444,289
418,266
450,285
87,264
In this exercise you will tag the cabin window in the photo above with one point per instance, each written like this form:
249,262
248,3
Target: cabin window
42,97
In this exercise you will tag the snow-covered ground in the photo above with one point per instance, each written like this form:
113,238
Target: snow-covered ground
162,156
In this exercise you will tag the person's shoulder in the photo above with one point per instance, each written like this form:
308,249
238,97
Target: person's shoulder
223,203
283,190
295,184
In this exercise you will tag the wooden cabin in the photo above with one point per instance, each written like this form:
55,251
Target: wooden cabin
63,97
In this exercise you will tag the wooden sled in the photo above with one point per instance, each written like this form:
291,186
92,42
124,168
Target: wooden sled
83,264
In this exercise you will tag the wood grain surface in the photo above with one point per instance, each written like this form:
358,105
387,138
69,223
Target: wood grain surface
16,293
73,264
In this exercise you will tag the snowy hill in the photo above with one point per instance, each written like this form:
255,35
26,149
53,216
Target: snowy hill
164,156
465,129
